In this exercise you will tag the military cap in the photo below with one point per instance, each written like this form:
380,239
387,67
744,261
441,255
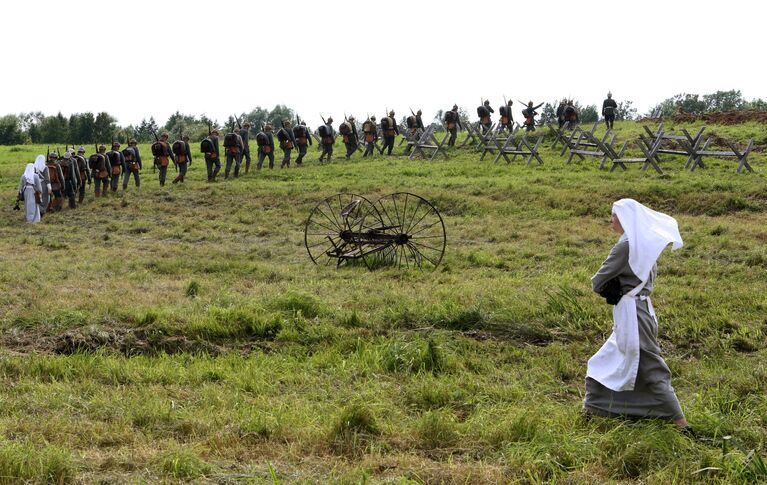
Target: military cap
214,132
418,112
330,119
268,127
391,113
102,148
82,149
609,94
115,144
372,118
351,118
164,135
66,155
247,124
132,141
455,107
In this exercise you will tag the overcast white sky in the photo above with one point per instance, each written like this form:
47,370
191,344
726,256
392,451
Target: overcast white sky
135,59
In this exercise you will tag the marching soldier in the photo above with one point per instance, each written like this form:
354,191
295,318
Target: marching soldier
371,135
328,137
348,130
209,146
302,137
484,116
529,113
162,154
507,119
117,162
183,157
571,115
390,131
245,135
83,171
71,175
453,122
57,182
287,142
265,141
132,158
100,168
234,147
609,107
561,113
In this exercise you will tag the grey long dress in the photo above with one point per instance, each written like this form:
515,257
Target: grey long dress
652,395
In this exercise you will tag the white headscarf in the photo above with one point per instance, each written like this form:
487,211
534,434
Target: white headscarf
648,233
40,163
29,173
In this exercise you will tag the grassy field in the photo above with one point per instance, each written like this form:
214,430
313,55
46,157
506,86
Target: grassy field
183,334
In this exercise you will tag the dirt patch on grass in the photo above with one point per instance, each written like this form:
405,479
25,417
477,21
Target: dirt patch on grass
93,338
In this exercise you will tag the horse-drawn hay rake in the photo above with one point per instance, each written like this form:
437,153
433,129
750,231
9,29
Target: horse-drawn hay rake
400,229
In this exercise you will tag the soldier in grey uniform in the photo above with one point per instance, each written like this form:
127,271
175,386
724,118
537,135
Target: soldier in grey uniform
452,122
328,139
609,107
117,161
100,168
71,177
390,131
484,112
265,141
183,160
287,142
84,172
245,135
234,154
370,130
132,158
350,138
213,159
303,138
56,181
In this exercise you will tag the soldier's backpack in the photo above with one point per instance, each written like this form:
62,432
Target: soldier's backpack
482,111
160,149
97,162
503,111
368,127
386,123
345,128
324,131
179,147
262,139
411,122
206,146
114,157
230,140
450,116
129,154
299,131
53,176
282,135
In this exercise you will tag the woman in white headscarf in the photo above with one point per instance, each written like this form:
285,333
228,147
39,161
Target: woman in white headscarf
45,181
30,190
628,376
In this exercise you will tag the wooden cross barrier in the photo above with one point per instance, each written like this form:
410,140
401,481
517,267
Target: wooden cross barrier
571,142
734,152
683,145
588,145
561,134
428,142
472,133
649,159
494,142
524,148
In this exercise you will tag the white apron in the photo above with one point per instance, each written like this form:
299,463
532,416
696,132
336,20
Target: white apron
615,365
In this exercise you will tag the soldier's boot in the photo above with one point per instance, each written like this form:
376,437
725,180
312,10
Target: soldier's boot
236,172
81,198
176,180
72,203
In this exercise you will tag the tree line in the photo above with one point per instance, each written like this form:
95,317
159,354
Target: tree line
87,128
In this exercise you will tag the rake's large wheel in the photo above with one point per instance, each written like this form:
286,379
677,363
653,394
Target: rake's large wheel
419,231
332,220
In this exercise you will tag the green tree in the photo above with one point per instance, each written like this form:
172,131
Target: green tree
724,101
104,127
54,129
10,131
625,111
588,114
